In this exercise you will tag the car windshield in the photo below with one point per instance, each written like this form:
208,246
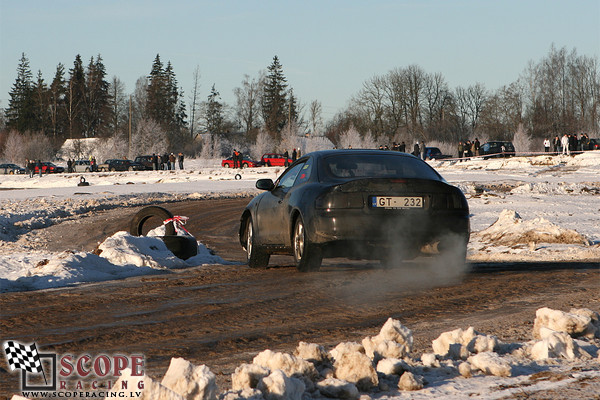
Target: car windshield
378,166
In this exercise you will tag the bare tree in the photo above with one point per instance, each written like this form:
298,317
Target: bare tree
248,106
314,117
194,99
118,105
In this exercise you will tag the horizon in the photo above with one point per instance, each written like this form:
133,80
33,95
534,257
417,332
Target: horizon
467,41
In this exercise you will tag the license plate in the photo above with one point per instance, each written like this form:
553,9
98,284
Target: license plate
396,202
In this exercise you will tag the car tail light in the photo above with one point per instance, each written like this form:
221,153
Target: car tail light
338,200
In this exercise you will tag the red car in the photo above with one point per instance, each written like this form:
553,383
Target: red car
228,163
274,160
48,167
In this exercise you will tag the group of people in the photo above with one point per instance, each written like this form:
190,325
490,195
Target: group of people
30,166
167,161
295,155
468,148
568,143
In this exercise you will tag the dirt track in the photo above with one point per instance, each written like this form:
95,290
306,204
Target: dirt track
223,315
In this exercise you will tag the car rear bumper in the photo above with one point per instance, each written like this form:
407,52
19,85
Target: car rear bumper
410,228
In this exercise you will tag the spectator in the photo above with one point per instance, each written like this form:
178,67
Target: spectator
180,159
565,145
547,145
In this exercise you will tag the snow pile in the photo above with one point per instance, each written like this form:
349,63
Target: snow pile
510,229
119,256
190,381
393,341
557,188
483,368
577,322
458,344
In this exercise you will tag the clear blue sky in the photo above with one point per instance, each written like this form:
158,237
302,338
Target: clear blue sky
328,48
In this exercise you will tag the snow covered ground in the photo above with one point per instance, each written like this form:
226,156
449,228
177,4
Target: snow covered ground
544,208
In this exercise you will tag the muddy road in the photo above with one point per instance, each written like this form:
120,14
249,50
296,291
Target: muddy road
222,315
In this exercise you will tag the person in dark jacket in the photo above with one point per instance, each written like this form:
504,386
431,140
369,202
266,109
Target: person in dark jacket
154,162
286,157
417,150
180,159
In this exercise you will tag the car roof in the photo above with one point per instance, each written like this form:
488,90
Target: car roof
325,153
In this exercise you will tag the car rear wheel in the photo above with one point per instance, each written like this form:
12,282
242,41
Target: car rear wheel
453,250
130,169
245,165
307,255
257,257
226,166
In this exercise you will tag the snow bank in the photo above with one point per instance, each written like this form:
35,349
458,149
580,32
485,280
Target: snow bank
484,373
119,256
510,229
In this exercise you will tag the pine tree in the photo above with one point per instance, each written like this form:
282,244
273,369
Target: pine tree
40,105
75,99
214,112
56,102
20,111
155,106
274,99
97,107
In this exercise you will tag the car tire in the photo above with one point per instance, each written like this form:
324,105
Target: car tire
182,246
307,255
244,165
257,257
130,169
226,166
136,228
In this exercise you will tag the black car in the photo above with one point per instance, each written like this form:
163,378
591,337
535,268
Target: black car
594,144
364,204
121,165
146,161
11,169
434,153
497,149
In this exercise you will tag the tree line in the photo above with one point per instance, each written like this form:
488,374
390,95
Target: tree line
558,94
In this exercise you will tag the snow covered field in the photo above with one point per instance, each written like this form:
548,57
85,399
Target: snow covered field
544,208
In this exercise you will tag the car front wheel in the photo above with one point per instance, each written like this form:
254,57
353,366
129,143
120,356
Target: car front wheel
307,255
257,257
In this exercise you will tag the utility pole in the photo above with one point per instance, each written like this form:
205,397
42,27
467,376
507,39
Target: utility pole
129,144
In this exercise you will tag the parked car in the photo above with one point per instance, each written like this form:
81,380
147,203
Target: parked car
146,161
81,165
497,149
355,203
120,165
11,169
246,163
594,144
274,160
434,153
49,168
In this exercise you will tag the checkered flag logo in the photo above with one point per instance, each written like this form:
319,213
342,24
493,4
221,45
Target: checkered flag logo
23,357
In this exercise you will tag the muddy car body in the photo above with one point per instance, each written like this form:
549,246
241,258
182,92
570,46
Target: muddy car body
364,204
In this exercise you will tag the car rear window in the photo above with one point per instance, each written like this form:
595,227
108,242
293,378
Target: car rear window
377,166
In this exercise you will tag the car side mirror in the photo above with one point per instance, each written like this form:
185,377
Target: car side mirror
265,184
